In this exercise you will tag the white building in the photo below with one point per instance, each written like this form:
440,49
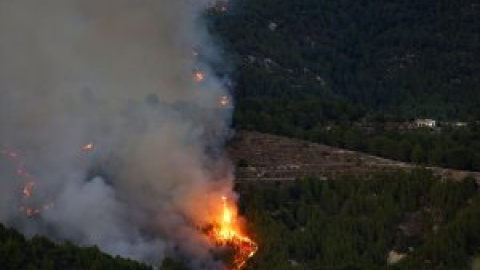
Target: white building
425,123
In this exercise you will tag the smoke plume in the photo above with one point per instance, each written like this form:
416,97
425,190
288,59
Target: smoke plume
116,74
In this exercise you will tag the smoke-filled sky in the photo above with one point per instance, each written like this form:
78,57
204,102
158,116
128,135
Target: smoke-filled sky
118,74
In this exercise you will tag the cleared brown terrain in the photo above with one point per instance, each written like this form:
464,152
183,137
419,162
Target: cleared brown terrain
269,157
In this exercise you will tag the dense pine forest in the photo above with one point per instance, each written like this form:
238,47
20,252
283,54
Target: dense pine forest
353,74
395,220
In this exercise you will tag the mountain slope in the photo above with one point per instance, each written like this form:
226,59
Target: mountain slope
342,72
392,220
407,57
265,157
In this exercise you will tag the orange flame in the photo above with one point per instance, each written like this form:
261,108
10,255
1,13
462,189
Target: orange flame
28,205
88,147
198,76
227,232
28,189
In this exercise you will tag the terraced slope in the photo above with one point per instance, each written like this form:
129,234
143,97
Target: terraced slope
261,156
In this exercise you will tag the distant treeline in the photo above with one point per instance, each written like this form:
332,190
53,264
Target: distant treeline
353,223
303,66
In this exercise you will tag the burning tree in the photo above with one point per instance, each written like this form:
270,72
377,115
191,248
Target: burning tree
226,232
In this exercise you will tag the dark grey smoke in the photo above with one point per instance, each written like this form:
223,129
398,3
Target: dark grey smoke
118,74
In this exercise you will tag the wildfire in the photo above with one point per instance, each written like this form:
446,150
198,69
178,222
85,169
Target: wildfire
88,147
224,101
28,189
29,204
227,233
198,76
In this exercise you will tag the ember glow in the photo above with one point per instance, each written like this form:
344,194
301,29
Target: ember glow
224,101
227,232
88,147
198,76
27,189
27,205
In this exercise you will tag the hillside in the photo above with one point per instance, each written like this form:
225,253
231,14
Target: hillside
365,216
313,206
344,72
18,253
410,58
392,220
261,156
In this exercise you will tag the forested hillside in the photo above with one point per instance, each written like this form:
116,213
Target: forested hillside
17,253
408,57
40,253
339,72
393,220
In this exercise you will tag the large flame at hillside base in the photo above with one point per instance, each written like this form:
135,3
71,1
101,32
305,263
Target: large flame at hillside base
112,130
227,232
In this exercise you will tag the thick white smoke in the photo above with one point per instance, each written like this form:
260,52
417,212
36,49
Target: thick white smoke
118,74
